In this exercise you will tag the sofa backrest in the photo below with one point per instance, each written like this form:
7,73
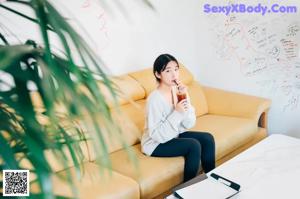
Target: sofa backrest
198,98
147,80
128,113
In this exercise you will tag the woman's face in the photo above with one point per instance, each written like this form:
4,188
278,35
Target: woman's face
170,74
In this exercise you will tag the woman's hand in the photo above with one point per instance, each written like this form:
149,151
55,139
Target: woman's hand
182,106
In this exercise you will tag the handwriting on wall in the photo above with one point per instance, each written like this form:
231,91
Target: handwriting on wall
99,21
267,50
90,20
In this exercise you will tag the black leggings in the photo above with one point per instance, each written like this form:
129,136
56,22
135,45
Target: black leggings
196,147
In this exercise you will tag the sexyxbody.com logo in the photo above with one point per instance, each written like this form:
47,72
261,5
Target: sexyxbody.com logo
243,8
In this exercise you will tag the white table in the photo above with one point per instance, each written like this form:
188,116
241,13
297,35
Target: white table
269,169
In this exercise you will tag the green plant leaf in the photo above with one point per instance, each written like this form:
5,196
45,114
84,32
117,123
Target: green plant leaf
67,91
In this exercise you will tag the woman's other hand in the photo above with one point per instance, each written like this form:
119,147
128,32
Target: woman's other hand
182,106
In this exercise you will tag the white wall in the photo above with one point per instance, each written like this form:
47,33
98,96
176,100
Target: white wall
248,53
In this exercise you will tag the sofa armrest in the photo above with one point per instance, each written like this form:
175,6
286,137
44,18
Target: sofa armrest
229,103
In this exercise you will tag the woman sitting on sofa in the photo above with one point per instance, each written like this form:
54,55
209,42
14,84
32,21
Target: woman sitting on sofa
167,122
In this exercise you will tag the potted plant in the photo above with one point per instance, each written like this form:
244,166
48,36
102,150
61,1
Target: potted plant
28,129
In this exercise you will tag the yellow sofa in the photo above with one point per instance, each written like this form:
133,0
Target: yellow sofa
237,121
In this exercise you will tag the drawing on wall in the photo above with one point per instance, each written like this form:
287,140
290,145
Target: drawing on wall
86,16
90,19
266,49
92,8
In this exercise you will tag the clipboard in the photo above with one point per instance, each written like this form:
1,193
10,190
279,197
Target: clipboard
227,182
213,186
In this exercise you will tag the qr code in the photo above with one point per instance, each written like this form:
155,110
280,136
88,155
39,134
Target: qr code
15,182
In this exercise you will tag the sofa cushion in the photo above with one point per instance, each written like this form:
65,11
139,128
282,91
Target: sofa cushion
198,99
56,161
229,103
95,184
127,88
130,121
57,165
154,175
115,136
148,82
136,114
229,132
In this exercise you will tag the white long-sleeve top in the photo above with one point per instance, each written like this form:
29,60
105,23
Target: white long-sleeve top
163,122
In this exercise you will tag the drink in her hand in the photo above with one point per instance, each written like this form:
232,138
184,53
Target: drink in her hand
181,96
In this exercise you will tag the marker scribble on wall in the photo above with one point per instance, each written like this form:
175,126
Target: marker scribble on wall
266,49
98,14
